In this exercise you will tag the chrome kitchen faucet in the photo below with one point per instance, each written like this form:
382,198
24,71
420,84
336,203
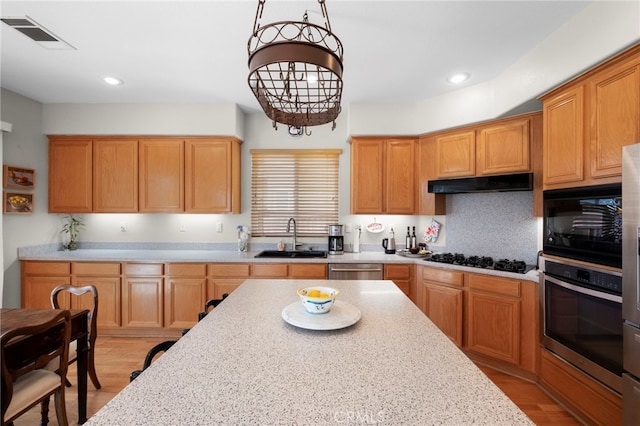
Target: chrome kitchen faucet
294,242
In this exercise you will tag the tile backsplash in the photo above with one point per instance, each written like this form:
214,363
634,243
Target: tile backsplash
500,225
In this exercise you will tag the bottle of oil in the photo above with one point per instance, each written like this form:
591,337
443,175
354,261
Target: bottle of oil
408,240
414,240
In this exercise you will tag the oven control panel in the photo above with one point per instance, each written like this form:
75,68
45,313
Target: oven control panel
608,281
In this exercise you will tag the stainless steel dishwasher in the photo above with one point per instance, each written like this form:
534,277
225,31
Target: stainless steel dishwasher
356,271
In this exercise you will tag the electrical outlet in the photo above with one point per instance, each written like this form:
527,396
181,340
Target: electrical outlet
183,227
218,226
348,228
123,227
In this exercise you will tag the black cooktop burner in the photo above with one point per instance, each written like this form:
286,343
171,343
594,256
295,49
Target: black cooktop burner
517,266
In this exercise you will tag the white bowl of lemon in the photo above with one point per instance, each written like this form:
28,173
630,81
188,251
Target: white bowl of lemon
317,300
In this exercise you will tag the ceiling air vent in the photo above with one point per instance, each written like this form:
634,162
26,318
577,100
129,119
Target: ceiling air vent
37,33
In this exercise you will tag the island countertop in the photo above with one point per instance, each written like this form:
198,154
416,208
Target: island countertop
243,364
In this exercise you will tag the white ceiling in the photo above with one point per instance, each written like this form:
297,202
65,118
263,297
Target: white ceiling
196,51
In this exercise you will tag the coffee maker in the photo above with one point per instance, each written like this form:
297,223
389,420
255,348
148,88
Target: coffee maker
336,240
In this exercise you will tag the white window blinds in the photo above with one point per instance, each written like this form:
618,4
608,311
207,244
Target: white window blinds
301,183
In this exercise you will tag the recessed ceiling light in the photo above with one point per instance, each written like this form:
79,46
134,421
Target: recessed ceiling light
112,81
458,78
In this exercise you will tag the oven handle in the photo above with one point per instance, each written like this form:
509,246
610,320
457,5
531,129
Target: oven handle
584,290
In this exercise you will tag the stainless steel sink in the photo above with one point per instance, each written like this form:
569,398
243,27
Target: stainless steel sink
292,254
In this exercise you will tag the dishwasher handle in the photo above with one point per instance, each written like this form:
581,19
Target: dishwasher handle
356,270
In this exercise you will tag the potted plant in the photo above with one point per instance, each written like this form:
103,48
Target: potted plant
73,226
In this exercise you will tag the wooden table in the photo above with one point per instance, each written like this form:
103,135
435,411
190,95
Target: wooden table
28,348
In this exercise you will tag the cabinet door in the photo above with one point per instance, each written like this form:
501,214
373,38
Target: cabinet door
615,116
456,154
161,176
367,177
503,148
493,326
401,276
212,176
108,299
563,141
115,176
184,298
429,204
36,292
142,302
400,171
70,175
443,306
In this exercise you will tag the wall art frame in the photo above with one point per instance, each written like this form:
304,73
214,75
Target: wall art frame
17,202
18,177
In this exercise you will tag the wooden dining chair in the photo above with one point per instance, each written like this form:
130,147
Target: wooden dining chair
26,385
160,347
93,327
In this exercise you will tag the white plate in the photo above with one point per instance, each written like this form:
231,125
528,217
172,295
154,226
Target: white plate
341,315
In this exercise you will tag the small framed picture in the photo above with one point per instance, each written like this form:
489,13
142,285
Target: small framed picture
18,177
17,203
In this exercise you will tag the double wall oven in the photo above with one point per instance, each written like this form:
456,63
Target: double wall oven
582,286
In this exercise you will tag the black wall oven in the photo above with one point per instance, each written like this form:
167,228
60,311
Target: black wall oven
584,224
582,318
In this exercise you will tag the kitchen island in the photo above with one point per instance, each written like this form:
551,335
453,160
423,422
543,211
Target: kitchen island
244,364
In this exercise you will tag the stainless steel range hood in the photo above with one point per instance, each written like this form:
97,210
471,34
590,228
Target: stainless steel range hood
502,183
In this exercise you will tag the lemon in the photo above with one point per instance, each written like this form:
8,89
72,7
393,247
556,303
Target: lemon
314,293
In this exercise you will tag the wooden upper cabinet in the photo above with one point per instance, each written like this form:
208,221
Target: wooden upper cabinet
428,203
212,176
587,122
367,176
456,154
115,176
161,175
503,148
615,116
383,176
563,137
70,175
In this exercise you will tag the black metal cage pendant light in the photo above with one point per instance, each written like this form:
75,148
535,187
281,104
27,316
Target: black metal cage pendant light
295,70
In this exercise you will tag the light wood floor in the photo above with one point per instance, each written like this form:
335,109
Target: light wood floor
116,357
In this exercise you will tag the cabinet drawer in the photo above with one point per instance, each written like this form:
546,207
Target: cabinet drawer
47,268
444,276
397,271
144,269
186,269
278,270
226,270
495,285
93,268
308,270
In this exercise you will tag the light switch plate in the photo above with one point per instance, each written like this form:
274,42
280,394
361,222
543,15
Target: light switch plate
218,226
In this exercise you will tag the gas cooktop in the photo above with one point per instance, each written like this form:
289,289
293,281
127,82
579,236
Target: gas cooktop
508,265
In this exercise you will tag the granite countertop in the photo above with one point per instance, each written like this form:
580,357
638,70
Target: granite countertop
243,364
228,256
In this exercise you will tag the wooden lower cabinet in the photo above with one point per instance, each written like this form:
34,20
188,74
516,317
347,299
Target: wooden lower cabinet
443,305
493,319
143,296
39,279
289,270
185,293
106,278
590,401
402,275
224,278
442,300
